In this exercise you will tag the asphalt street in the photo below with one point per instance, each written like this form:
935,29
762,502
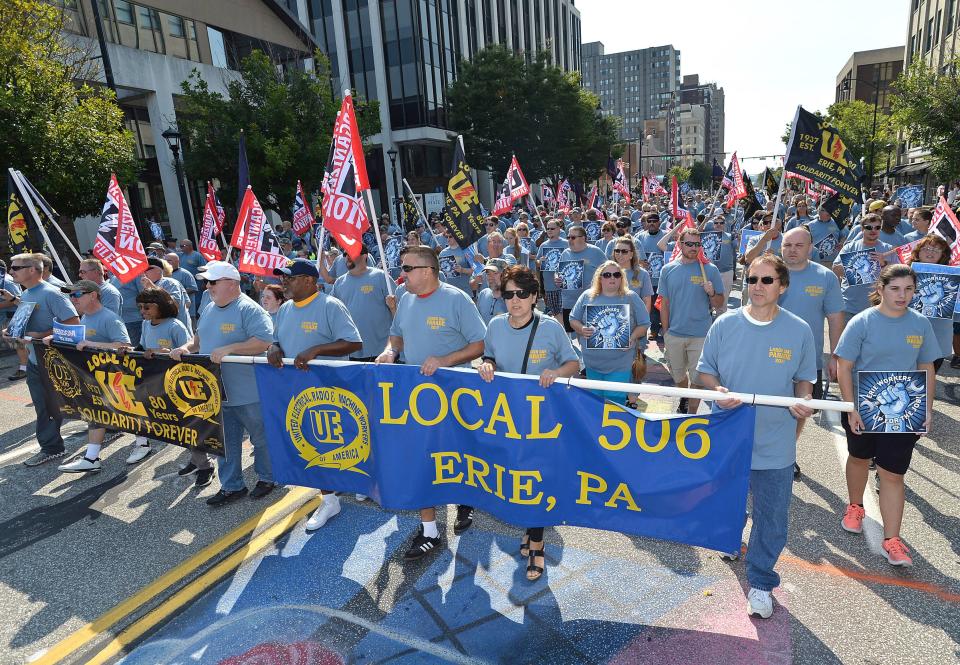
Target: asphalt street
130,564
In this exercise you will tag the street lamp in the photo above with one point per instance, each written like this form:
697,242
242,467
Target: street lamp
172,138
392,154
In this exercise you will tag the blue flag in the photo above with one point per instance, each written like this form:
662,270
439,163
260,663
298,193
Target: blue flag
525,454
243,170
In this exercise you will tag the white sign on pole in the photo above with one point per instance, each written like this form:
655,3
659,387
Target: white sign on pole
432,203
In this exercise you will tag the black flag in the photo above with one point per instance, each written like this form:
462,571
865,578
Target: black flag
462,215
819,152
770,183
750,202
838,205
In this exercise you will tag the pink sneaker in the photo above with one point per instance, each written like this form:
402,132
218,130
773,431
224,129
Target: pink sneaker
853,519
896,552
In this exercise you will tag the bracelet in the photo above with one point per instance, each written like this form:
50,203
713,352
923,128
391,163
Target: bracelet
392,351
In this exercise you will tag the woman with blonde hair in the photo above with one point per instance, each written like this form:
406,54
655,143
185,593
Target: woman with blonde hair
610,318
625,254
515,249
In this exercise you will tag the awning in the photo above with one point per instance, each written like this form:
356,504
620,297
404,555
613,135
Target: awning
906,169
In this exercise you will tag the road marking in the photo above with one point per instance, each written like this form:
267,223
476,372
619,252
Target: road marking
198,586
20,452
98,626
875,578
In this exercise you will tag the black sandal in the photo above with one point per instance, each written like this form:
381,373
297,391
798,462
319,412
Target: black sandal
525,546
533,568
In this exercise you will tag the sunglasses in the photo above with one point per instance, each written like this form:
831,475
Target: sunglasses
622,251
519,293
687,243
552,228
766,222
212,282
611,275
870,227
574,237
766,279
412,268
16,268
78,294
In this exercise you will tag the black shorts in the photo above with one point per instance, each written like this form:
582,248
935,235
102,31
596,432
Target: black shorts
566,321
892,452
818,386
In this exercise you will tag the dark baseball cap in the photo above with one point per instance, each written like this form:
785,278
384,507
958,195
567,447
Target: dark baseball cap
298,267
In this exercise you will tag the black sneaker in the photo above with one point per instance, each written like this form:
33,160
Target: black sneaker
796,471
421,546
16,376
464,519
684,404
43,458
204,478
224,497
955,362
262,489
187,470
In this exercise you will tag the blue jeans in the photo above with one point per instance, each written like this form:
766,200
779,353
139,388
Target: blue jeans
621,377
48,426
772,490
236,420
134,329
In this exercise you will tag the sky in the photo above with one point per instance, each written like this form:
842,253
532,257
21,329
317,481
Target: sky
768,56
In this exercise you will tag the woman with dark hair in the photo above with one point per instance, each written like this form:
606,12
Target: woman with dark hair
522,341
934,249
888,336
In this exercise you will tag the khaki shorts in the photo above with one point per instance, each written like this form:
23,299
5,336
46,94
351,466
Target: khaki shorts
682,354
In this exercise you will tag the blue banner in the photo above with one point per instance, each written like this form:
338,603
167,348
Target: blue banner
526,455
910,196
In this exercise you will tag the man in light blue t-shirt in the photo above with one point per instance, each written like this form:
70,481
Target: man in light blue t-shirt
855,294
577,265
364,292
548,258
436,326
233,324
651,258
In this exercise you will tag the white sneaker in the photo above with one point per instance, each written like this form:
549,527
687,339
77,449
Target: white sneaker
329,508
361,497
760,603
82,465
139,453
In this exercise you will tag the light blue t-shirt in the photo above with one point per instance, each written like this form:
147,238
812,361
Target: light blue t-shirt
186,280
794,222
104,326
489,305
607,360
827,240
176,291
592,258
813,294
8,284
129,312
450,259
365,298
436,325
548,256
551,346
648,245
339,267
875,342
763,359
903,228
320,319
191,262
52,304
682,284
725,263
856,296
111,298
639,282
167,334
237,322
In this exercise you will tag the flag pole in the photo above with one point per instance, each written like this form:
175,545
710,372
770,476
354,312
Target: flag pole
413,198
49,212
375,223
783,174
28,200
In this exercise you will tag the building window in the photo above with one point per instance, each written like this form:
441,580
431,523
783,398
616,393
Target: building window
176,26
124,11
218,51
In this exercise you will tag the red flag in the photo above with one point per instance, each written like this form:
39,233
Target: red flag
118,244
213,218
563,198
302,217
504,203
946,225
592,198
738,189
904,251
518,183
620,182
344,180
260,253
674,198
645,189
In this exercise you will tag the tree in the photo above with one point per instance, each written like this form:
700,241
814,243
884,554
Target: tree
66,136
700,175
854,120
287,116
504,105
926,106
681,173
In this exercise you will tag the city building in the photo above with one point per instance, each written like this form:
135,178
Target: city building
932,29
404,53
711,98
869,75
693,133
153,47
636,86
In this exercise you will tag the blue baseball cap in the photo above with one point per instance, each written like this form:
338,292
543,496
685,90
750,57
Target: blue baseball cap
298,267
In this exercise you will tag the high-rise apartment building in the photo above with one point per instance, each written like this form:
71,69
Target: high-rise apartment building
710,97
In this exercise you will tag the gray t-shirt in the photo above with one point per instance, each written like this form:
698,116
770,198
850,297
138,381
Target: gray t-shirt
489,305
321,319
551,346
436,325
365,298
51,303
682,284
763,359
814,293
592,258
237,322
607,360
104,326
168,334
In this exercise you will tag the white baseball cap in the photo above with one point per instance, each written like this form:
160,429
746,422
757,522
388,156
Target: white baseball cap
215,270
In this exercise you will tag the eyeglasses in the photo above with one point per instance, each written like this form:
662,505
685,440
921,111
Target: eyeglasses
145,305
212,282
16,268
552,228
766,222
519,293
687,243
623,251
412,268
611,275
870,227
78,294
766,279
